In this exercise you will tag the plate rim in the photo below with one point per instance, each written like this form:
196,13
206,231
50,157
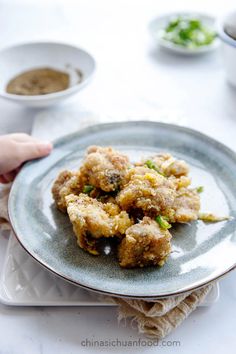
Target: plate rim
99,127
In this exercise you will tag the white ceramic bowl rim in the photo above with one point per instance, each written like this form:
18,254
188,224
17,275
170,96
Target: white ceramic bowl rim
222,34
53,94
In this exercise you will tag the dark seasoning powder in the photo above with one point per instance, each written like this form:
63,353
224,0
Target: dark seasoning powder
38,82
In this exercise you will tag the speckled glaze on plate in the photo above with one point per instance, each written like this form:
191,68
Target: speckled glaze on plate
201,252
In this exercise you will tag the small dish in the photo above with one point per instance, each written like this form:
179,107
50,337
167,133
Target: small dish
228,48
159,23
64,57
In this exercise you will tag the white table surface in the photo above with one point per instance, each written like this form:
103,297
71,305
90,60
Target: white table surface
133,78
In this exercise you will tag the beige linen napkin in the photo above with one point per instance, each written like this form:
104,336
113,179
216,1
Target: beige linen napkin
155,319
4,222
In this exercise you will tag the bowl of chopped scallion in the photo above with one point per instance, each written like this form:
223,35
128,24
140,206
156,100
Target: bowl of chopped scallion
187,33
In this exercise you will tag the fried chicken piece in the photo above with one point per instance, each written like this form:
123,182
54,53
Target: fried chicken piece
167,165
146,190
67,182
186,206
131,172
104,168
92,220
144,244
180,182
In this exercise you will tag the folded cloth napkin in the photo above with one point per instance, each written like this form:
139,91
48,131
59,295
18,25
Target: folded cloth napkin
4,221
156,318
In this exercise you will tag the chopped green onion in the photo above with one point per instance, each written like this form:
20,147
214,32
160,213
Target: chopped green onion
87,189
166,218
162,221
200,189
188,32
150,164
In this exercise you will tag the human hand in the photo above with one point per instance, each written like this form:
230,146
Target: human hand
15,149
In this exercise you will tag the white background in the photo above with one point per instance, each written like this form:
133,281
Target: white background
133,78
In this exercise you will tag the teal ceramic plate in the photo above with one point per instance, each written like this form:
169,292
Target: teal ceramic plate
201,252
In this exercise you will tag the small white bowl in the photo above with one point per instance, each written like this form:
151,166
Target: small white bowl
59,56
228,51
157,25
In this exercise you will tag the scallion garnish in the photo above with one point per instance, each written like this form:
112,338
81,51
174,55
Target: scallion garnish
200,189
150,164
87,189
163,222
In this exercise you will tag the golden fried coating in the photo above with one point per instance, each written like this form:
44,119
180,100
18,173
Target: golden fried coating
92,220
67,182
144,244
147,190
104,168
186,206
167,165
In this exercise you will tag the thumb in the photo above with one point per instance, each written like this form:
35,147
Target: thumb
30,151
